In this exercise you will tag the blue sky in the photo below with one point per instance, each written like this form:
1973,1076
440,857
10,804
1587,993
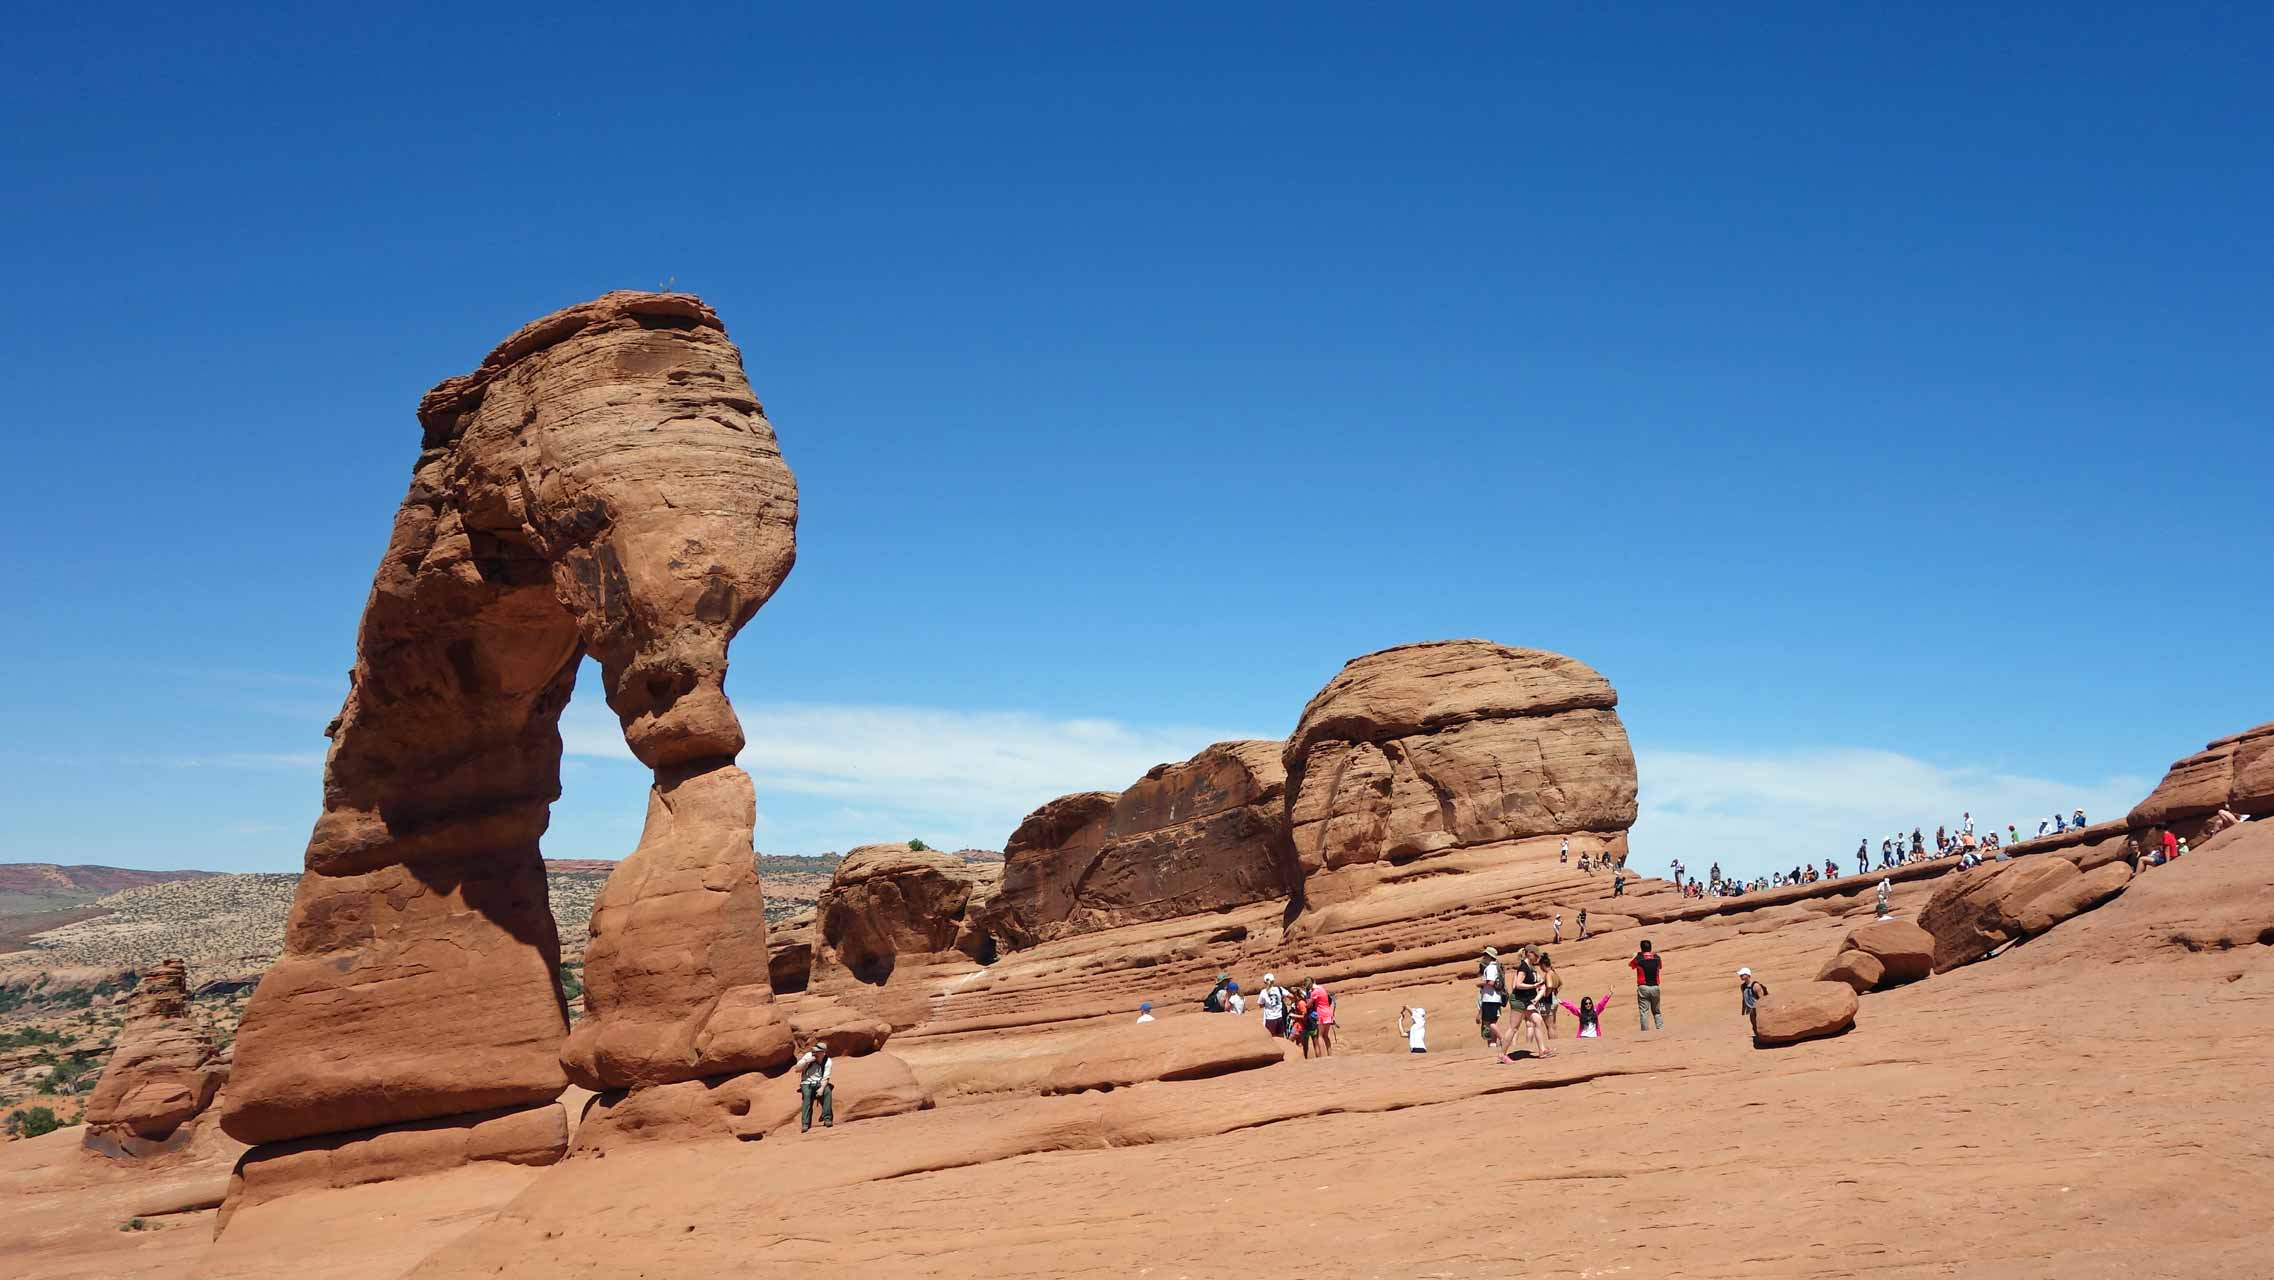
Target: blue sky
1879,398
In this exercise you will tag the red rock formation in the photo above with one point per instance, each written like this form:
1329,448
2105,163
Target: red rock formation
162,1073
1424,748
604,484
1975,912
1798,1011
2235,772
1905,951
888,904
1183,840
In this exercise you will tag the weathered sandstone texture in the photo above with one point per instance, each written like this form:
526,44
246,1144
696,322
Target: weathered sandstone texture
887,900
2235,772
162,1073
1905,951
1798,1011
1424,748
1185,839
1975,912
604,484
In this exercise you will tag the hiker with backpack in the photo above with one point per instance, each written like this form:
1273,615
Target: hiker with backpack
1492,994
1647,965
1219,998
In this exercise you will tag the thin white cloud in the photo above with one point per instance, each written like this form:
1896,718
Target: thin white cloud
1763,811
886,772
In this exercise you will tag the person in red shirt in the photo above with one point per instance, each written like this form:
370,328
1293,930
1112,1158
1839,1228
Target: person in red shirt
2170,844
1647,965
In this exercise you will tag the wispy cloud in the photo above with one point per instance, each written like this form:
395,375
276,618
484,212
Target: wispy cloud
869,772
1758,811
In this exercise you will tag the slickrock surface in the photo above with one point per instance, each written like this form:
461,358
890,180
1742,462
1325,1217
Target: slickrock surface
2235,772
1184,839
604,483
163,1072
1427,748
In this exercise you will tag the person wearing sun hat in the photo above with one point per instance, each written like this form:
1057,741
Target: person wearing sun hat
1492,993
1749,992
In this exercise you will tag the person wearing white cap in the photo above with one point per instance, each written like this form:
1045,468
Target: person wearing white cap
1492,993
1749,992
1272,1002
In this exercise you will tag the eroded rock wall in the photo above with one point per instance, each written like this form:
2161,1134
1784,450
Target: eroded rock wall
606,484
1425,748
1185,839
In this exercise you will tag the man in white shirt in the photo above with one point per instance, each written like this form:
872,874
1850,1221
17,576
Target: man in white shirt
1145,1012
1489,996
1272,1000
813,1082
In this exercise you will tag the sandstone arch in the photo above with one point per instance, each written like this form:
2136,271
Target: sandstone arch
605,483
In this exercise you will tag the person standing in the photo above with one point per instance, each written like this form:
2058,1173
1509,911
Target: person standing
1413,1025
1647,965
1749,993
1583,919
1322,1004
1491,994
1967,819
813,1082
1559,927
1863,857
1271,1001
1565,856
1618,884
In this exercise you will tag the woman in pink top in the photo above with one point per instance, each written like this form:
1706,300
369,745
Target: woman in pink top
1589,1011
1324,1003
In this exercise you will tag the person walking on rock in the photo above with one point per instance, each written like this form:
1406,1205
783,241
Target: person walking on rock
1647,965
1749,992
1583,921
1886,896
1492,992
1559,927
813,1082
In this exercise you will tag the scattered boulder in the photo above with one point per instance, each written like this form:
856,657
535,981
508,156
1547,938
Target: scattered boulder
848,1032
162,1073
1429,747
1979,910
888,900
1798,1011
1859,969
1185,839
1904,950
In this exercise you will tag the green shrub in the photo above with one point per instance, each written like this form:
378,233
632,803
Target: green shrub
918,846
31,1122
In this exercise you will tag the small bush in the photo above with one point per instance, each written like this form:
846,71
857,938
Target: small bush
918,846
32,1122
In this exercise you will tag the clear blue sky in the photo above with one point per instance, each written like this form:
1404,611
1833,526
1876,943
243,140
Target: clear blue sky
1880,397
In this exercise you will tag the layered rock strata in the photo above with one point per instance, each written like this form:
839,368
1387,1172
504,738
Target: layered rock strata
162,1073
605,484
1426,748
1185,839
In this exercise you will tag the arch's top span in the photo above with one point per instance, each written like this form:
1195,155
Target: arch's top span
604,483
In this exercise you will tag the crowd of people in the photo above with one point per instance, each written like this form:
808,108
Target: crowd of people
1303,1013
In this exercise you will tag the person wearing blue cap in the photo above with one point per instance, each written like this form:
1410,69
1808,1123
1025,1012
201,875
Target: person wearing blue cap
1145,1012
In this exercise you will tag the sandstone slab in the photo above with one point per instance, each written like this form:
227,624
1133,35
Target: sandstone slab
1799,1011
1904,950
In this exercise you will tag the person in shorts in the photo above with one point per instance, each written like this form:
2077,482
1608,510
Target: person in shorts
1272,1002
1490,995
